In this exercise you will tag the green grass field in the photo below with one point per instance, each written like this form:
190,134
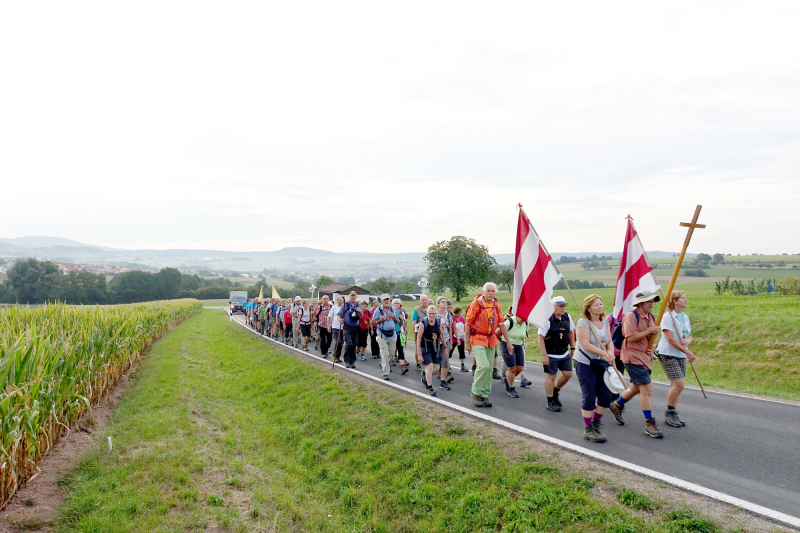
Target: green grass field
221,431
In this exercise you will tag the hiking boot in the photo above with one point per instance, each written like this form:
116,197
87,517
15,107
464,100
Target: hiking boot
444,385
513,392
405,370
591,435
431,392
450,377
671,419
651,428
386,377
477,401
556,400
616,411
486,402
553,406
525,383
464,369
495,374
597,425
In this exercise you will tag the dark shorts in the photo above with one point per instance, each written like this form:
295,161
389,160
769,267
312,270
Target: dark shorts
639,374
515,359
564,365
363,335
431,357
305,330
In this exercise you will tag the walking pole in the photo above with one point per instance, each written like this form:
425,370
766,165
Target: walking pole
663,299
566,285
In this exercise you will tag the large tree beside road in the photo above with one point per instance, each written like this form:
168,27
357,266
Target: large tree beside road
459,264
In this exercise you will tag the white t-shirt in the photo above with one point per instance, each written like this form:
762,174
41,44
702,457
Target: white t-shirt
543,332
335,324
685,331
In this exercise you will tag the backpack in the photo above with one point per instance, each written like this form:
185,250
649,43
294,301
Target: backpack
388,334
616,331
495,320
436,327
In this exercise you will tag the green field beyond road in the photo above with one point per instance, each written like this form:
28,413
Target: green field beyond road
221,430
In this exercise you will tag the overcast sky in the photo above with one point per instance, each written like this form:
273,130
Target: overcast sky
379,126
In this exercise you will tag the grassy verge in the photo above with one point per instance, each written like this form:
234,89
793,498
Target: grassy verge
222,431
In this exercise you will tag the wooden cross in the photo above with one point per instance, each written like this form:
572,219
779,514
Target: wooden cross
560,335
691,225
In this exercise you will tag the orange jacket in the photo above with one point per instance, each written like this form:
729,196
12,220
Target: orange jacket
482,321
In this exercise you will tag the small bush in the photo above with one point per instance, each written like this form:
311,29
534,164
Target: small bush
685,521
215,501
790,285
633,499
695,272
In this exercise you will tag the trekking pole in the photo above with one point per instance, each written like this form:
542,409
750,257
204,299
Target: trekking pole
564,280
664,300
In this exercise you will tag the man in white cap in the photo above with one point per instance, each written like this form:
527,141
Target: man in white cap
637,327
384,319
557,345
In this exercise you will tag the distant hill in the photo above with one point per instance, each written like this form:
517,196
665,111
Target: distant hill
302,251
46,242
296,259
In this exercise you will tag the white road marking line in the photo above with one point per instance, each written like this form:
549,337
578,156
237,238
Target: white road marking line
677,482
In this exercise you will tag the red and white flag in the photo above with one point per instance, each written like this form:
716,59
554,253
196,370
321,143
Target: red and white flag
634,274
534,276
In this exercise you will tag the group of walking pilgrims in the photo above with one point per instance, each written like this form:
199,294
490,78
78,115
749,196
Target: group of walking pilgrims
589,347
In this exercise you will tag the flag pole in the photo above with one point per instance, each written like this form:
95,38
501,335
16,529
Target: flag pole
564,280
663,298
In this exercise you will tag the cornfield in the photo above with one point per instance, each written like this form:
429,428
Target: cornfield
56,360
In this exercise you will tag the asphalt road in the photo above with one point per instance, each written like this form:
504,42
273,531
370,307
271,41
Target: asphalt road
743,447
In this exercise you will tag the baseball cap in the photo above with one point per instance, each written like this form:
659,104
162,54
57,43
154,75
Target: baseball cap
385,296
559,300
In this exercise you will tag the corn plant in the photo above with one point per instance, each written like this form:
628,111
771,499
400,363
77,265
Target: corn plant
55,360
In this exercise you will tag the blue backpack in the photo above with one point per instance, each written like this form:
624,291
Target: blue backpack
616,331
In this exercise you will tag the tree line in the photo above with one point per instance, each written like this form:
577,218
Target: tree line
459,264
33,282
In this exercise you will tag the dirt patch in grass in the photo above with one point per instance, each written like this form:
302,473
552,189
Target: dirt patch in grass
34,506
